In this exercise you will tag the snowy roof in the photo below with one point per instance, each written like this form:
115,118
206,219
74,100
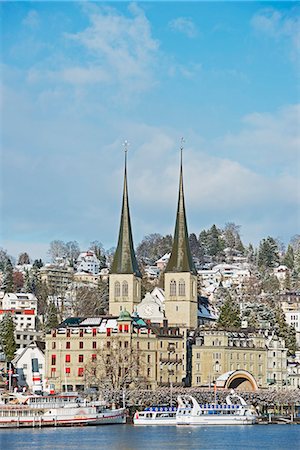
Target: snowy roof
225,375
164,258
91,321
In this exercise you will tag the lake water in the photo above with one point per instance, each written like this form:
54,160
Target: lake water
128,437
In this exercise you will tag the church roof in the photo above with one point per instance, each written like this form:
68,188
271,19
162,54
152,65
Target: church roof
125,260
181,258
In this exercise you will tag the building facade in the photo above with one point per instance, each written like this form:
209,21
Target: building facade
72,349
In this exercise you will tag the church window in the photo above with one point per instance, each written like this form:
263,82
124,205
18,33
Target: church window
173,287
117,289
125,289
181,288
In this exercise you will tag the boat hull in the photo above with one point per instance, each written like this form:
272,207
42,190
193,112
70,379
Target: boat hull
60,420
210,420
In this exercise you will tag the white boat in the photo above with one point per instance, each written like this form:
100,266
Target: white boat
57,410
234,412
156,415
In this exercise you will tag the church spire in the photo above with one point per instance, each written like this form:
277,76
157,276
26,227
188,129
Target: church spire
125,261
181,259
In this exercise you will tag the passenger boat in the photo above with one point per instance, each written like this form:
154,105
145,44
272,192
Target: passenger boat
234,412
57,410
156,415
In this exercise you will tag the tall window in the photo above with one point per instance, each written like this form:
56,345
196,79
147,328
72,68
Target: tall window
181,288
117,289
125,289
173,287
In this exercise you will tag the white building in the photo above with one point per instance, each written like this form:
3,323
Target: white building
23,362
22,307
88,262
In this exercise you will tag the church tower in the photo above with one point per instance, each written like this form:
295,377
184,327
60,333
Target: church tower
125,277
181,305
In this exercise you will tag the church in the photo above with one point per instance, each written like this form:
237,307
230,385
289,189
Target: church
179,305
153,339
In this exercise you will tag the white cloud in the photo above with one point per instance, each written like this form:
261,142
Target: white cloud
121,46
32,19
184,25
267,140
279,24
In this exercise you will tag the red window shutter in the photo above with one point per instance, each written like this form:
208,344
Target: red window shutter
126,328
68,358
120,327
108,331
94,357
68,370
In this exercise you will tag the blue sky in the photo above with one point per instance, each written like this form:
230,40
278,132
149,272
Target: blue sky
77,79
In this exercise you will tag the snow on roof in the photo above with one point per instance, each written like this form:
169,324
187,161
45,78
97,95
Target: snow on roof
164,258
92,321
225,376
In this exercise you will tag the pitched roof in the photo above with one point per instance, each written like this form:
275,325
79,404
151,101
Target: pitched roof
125,260
181,259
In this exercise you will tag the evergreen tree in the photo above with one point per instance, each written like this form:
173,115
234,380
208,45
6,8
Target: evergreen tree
8,278
270,283
287,281
288,333
7,336
203,241
37,264
268,253
51,317
250,254
3,259
288,259
27,282
196,248
230,314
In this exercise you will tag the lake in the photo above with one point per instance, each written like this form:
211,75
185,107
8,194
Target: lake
128,437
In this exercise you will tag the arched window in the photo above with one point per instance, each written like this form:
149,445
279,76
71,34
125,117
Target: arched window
181,288
117,289
124,289
173,287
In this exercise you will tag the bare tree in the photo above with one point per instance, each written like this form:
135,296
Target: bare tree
90,301
115,367
57,250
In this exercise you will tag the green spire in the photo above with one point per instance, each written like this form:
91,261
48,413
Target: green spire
181,259
125,259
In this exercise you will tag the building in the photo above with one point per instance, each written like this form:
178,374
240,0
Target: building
22,307
218,352
88,262
57,277
25,361
77,343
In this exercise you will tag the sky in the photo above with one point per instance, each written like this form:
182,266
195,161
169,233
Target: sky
80,78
